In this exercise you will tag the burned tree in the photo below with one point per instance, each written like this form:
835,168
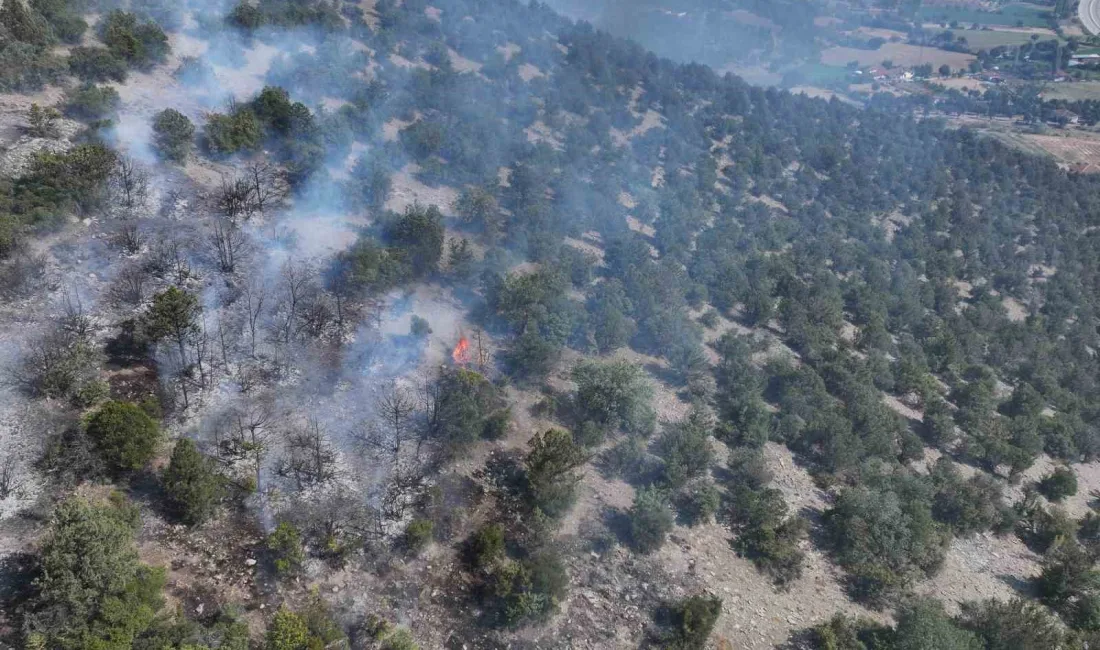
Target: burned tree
234,199
262,186
267,184
253,298
169,261
129,183
64,362
303,307
128,236
309,459
129,286
395,434
229,243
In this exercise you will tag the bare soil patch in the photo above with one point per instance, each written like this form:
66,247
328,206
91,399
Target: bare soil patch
408,190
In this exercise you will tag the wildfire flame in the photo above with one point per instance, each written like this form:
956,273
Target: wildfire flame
461,353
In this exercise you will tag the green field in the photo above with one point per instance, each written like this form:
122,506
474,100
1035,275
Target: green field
1013,15
815,74
977,39
1077,91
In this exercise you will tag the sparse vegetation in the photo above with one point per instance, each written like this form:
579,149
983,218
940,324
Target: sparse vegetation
285,545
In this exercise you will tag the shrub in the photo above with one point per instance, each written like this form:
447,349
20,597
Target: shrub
228,134
486,546
967,506
923,624
125,436
465,400
1059,484
685,448
1016,625
96,64
91,102
25,67
844,633
650,520
528,590
884,539
287,631
1069,583
64,20
627,459
419,328
42,122
138,43
765,534
692,620
698,503
172,135
370,184
496,425
418,534
1039,527
613,395
192,485
23,24
550,465
92,592
285,546
419,235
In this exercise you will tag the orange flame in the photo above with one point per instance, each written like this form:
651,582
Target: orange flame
461,353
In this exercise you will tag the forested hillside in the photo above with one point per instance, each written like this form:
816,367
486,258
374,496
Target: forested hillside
459,324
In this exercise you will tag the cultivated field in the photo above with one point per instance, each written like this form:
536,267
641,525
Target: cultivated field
1067,148
901,54
985,39
1076,91
1021,15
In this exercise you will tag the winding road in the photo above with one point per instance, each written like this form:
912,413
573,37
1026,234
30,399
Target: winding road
1089,13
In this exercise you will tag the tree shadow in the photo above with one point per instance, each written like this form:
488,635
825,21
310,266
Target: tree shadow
665,375
618,522
17,574
1018,585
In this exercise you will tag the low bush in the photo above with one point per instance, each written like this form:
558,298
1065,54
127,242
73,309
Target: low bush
650,520
285,546
172,135
1059,484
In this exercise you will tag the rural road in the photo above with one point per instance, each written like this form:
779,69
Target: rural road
1089,13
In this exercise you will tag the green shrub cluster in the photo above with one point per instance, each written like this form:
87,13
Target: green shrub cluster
517,585
465,405
92,591
126,437
26,62
885,539
173,135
